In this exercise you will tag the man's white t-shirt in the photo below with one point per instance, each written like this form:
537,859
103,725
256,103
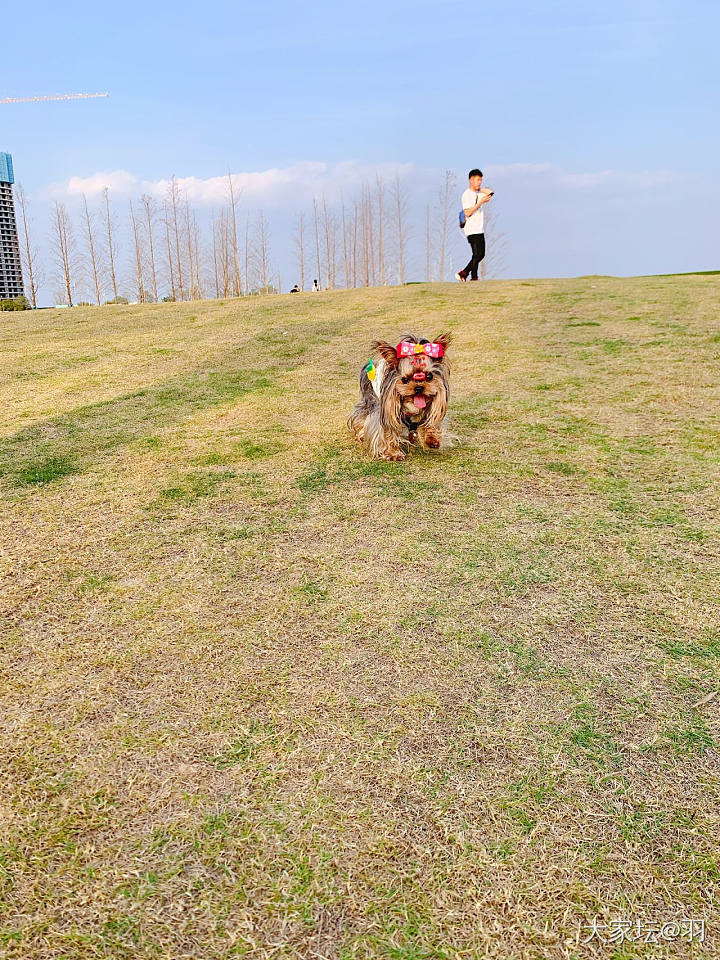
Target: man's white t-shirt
475,223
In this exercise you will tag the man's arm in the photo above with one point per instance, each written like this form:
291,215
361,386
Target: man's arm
486,195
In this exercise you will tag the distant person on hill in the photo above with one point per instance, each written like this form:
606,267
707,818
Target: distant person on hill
295,289
472,202
316,287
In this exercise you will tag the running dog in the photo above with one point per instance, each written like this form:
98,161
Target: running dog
404,393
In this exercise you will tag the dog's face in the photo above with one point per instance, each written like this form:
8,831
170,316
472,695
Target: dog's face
416,387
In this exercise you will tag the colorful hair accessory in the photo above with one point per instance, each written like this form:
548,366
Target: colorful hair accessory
370,370
407,348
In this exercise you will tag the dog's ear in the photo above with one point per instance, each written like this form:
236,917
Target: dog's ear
387,352
444,339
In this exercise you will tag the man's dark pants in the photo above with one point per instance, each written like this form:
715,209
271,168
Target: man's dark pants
477,245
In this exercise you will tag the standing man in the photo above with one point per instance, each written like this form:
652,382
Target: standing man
472,202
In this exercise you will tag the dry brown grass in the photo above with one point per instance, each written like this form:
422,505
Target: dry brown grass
263,698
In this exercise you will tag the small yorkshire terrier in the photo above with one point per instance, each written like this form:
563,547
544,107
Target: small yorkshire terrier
403,397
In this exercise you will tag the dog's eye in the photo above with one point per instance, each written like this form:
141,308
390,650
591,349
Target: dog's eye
429,376
406,379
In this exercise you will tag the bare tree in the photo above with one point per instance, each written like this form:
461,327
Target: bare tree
347,245
64,249
31,263
428,245
223,253
493,264
110,226
366,237
370,236
138,256
381,229
226,255
192,292
402,229
355,240
247,255
445,200
171,269
149,206
330,231
87,219
196,248
317,242
216,272
174,203
300,247
363,240
261,251
233,220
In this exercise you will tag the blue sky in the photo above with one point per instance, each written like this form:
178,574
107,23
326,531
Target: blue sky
596,122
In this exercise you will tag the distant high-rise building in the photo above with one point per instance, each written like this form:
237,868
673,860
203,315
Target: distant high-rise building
11,281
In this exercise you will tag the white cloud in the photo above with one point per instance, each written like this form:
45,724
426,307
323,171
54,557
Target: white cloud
267,186
297,184
119,181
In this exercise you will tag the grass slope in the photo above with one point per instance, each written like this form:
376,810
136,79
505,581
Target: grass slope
263,698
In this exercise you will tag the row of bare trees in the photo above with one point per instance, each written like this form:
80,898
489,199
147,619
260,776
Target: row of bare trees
161,250
366,242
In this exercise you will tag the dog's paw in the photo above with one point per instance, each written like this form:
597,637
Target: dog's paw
394,456
431,440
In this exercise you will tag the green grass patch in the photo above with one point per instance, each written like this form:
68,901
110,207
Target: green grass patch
45,471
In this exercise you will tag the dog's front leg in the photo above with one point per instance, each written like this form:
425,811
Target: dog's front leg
394,453
391,450
430,437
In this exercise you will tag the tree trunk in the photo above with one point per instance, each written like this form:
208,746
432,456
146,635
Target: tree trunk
329,251
173,189
91,248
215,257
400,198
63,244
236,253
247,254
110,241
381,219
445,199
147,204
346,248
30,254
191,268
428,245
171,269
317,242
138,257
300,246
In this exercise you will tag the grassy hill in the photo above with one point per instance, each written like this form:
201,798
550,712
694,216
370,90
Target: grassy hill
264,698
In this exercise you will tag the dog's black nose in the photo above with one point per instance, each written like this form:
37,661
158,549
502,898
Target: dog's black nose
418,389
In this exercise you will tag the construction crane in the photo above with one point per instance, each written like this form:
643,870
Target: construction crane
59,96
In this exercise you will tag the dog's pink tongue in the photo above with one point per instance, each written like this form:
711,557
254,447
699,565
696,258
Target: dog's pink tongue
419,401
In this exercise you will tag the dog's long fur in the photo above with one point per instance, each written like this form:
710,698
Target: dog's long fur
389,424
